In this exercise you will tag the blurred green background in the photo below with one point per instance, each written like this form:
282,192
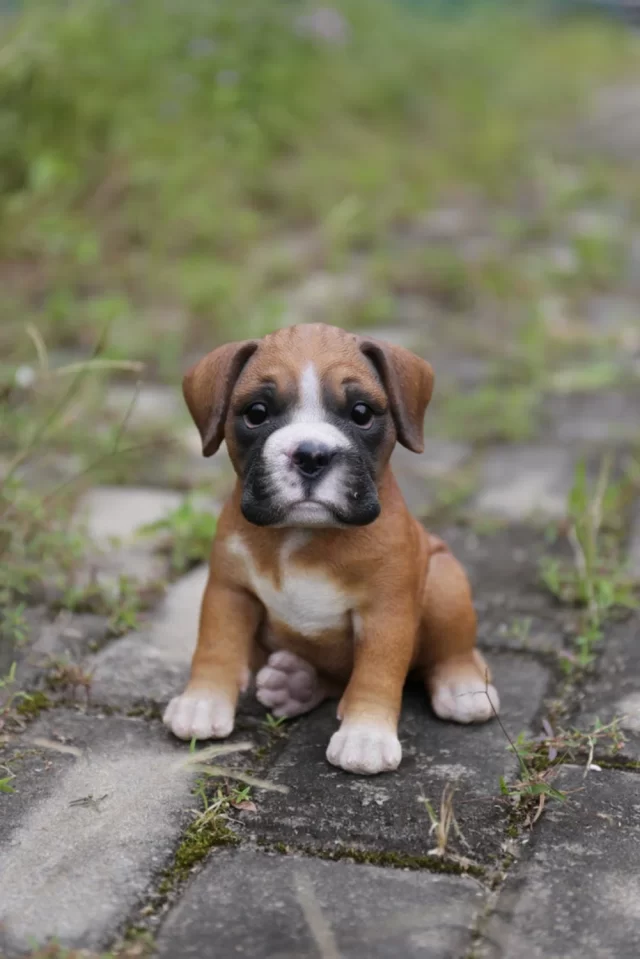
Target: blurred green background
170,169
460,177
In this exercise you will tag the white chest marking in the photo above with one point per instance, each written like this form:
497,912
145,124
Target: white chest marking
307,602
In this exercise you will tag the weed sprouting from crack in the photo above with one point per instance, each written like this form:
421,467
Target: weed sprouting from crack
528,794
189,532
14,629
275,724
17,703
210,828
66,676
444,824
40,548
595,580
540,758
122,604
210,825
5,781
571,745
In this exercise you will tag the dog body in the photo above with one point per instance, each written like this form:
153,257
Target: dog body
321,582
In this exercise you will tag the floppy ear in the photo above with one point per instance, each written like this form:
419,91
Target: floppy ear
408,381
207,387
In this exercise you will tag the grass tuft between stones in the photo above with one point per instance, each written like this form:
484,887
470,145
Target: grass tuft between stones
33,704
194,847
208,830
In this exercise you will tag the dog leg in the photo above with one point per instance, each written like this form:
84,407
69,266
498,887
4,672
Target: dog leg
456,676
220,669
288,686
367,741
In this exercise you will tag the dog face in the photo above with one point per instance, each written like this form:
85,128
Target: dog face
310,415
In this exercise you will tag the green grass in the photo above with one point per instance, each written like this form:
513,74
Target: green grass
539,760
28,535
169,173
492,413
570,746
190,532
15,702
151,156
595,578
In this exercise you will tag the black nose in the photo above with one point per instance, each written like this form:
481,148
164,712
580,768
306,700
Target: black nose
312,459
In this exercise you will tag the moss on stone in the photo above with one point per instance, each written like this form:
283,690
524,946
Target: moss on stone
388,858
33,704
195,845
145,711
631,765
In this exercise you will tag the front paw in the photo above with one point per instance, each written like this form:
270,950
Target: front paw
465,700
200,715
365,748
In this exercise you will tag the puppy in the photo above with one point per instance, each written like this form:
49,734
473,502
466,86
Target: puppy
321,583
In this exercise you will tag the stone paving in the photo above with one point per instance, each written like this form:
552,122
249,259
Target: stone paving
331,864
98,848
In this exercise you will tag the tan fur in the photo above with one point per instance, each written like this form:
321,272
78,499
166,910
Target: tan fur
408,596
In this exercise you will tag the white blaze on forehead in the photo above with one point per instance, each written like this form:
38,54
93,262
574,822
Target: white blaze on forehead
310,408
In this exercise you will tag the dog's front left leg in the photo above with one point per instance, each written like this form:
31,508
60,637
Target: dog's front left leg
367,741
229,620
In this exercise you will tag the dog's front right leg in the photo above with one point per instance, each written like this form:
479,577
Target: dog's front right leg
367,741
229,620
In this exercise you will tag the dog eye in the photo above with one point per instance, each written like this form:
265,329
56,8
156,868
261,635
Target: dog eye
255,415
362,415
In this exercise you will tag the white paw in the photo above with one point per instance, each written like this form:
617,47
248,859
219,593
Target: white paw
364,748
465,701
288,686
203,715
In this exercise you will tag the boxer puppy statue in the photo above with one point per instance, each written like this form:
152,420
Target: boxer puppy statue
321,583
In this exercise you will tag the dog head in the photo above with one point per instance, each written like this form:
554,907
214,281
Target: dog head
310,415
